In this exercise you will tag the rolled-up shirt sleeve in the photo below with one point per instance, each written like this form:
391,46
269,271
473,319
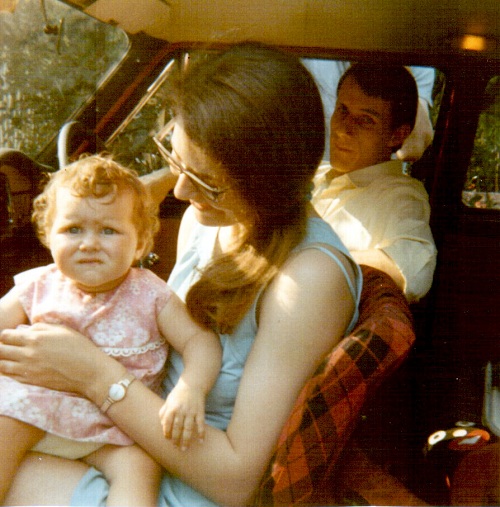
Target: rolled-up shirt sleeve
377,208
405,236
418,278
424,77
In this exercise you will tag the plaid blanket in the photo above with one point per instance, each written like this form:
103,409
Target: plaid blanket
328,407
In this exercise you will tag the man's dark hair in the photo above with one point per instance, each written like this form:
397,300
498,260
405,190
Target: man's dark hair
392,83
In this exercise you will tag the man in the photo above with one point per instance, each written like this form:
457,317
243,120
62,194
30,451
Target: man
381,214
328,73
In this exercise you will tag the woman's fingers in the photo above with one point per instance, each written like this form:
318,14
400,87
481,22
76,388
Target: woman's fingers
11,352
12,337
51,356
17,356
10,367
10,355
13,363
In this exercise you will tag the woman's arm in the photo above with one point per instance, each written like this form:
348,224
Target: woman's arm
303,315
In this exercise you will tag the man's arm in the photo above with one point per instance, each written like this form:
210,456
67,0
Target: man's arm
424,77
159,183
423,132
421,136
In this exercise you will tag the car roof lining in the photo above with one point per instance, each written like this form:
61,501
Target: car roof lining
387,25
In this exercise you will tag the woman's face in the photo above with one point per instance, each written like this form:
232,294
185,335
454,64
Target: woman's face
230,208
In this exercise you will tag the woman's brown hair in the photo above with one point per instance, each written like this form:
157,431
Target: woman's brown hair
258,112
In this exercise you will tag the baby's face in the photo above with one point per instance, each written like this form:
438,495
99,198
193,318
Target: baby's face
94,241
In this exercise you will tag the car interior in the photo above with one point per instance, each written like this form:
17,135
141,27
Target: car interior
429,435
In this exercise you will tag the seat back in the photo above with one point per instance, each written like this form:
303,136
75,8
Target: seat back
6,218
329,405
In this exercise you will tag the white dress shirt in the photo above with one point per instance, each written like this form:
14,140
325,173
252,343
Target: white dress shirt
379,207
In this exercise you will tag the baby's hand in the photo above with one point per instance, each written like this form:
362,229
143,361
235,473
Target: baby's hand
182,415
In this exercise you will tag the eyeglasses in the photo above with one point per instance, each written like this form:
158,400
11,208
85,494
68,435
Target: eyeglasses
177,167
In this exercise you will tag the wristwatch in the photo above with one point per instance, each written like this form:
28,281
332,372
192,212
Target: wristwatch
117,392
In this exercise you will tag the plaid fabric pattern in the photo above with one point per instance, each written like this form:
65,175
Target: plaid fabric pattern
326,412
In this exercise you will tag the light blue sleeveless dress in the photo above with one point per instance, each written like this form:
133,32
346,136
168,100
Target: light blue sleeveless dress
93,488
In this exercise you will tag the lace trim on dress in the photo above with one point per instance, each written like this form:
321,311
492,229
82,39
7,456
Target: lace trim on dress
132,351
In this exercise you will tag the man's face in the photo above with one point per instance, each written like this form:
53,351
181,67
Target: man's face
361,133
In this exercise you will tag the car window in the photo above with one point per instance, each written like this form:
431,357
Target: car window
52,59
482,186
132,142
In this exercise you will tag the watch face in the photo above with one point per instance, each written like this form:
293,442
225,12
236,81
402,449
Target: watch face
116,392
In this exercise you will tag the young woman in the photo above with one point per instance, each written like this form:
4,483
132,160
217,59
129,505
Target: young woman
254,262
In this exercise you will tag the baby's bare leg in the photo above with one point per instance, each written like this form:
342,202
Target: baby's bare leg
133,476
45,480
16,439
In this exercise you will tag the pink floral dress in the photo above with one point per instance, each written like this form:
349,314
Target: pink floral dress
121,322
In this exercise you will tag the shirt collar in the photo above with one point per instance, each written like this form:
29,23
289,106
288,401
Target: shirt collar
363,177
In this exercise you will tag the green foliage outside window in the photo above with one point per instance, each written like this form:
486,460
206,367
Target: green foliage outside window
483,180
50,64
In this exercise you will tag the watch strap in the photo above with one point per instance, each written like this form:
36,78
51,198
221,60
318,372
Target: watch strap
125,382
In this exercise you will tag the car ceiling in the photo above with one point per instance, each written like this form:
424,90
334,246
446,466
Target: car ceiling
391,25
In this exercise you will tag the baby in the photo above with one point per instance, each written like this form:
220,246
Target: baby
98,221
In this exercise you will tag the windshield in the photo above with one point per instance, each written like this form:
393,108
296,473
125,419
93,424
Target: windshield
52,59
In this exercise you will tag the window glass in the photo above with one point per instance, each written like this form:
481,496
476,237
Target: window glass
482,186
133,146
52,59
132,143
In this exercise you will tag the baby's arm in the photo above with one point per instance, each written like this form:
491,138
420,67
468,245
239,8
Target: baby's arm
16,437
133,476
183,412
11,311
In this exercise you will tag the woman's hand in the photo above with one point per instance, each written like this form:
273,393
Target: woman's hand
51,356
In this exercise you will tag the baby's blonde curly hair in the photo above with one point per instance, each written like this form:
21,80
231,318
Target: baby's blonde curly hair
97,176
